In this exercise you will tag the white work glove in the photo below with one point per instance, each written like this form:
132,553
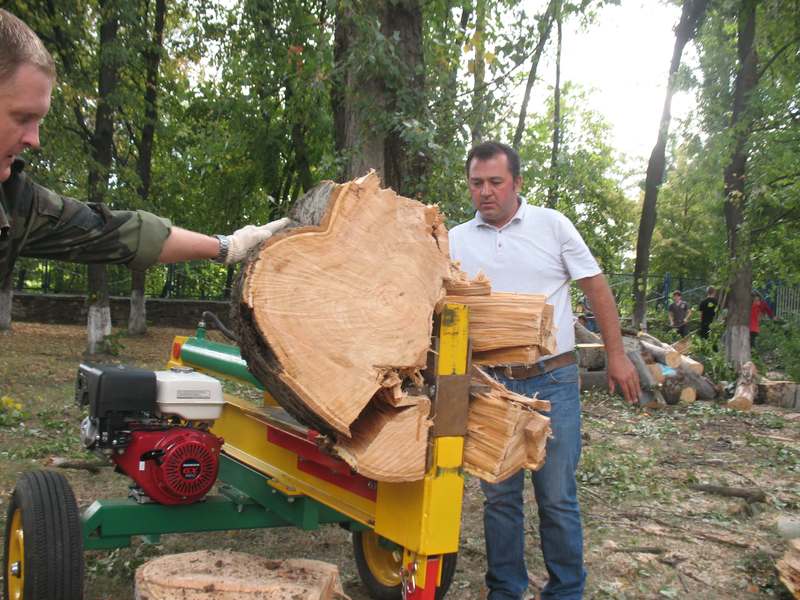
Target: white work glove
250,236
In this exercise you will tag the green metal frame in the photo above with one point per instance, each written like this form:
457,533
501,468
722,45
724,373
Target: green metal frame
246,501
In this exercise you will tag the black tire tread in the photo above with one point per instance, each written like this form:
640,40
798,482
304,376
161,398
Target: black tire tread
53,562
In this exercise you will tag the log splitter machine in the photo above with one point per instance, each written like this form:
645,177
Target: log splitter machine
177,436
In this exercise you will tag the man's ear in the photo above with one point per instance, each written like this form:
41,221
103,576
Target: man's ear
518,184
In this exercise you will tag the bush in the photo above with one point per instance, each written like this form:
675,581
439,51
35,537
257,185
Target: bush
779,346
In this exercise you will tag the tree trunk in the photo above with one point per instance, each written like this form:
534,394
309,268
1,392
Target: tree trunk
137,321
479,93
552,190
691,16
99,317
367,96
6,301
737,340
99,310
545,25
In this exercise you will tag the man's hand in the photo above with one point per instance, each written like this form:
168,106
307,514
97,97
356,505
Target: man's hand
250,236
622,373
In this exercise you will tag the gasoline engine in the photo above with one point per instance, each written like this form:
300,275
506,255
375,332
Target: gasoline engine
154,427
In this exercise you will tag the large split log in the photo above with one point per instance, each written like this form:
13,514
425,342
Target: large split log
227,575
328,312
584,336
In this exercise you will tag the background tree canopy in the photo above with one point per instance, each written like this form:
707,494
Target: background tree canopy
250,103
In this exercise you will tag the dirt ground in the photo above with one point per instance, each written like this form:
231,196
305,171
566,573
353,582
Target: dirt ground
647,533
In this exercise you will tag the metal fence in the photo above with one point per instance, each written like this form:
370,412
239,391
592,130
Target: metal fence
787,300
201,280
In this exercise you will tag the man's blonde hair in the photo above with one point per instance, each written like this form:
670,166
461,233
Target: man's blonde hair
19,45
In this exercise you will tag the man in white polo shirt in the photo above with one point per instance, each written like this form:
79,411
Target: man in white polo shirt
529,249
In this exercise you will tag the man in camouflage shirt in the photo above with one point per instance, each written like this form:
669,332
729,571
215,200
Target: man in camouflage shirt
37,222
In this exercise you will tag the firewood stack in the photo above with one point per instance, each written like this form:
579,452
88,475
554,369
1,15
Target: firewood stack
335,318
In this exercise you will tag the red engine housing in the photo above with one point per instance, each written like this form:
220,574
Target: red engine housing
172,466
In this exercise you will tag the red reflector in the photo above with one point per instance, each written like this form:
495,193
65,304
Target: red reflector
176,350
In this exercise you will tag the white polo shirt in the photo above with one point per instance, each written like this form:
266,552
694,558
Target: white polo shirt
538,251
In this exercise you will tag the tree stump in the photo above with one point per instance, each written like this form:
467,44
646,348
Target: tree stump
226,575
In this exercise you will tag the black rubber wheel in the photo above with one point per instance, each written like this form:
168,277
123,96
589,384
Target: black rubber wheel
379,567
43,548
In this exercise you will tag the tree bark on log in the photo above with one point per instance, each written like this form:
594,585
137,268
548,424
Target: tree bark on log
593,380
779,393
584,336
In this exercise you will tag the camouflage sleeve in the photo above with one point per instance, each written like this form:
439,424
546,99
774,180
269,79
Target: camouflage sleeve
65,229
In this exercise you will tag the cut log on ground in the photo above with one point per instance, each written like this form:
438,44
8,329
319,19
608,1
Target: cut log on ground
677,391
593,380
785,394
745,392
666,356
656,371
591,356
506,433
789,568
227,575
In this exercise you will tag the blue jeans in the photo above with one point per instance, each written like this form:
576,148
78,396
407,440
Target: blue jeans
555,488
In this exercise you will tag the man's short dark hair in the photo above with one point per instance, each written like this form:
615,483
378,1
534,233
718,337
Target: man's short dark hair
678,292
19,45
487,150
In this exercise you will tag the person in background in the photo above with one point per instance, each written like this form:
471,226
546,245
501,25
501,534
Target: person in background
586,309
708,310
679,313
530,249
758,307
40,223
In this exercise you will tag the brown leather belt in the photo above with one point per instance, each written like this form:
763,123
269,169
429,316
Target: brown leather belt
539,368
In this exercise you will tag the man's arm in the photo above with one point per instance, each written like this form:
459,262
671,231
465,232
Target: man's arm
182,244
621,371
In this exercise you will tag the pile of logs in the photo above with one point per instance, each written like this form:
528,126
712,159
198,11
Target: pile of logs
334,317
666,375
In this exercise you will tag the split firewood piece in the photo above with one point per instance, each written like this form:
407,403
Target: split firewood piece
502,320
505,433
325,312
789,568
516,355
228,575
389,443
746,387
459,284
656,371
